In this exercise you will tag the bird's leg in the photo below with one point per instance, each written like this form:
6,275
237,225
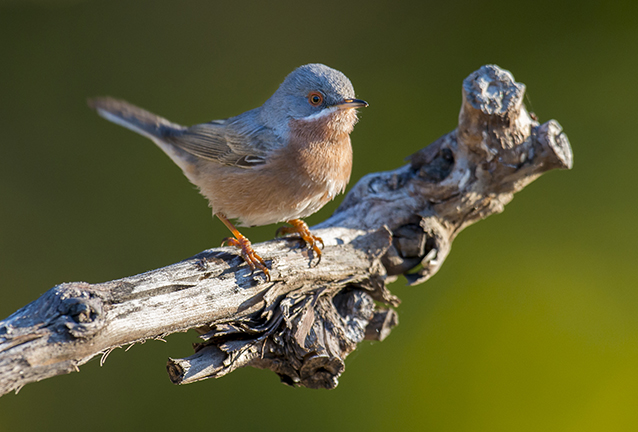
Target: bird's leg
300,228
247,252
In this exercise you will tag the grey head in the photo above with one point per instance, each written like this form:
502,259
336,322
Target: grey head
308,91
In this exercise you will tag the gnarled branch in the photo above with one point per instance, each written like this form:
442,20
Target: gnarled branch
303,323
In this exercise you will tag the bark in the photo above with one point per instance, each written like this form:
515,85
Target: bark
303,323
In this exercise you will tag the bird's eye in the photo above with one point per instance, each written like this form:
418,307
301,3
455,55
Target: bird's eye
315,98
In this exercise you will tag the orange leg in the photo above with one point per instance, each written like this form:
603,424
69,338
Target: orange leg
300,228
247,252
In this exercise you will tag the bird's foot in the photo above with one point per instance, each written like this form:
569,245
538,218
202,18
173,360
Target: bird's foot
301,230
248,254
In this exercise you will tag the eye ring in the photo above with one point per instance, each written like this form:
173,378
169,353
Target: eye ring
315,98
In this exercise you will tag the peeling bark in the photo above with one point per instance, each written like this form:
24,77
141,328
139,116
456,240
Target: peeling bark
303,323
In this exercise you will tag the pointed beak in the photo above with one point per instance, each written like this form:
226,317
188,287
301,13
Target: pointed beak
352,103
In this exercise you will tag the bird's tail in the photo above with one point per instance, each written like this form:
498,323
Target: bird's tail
147,124
134,118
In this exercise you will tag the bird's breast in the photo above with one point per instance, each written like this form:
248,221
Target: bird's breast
320,151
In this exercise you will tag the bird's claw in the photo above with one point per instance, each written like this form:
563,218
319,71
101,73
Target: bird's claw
248,254
301,230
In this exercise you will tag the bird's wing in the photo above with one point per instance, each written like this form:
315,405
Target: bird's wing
219,141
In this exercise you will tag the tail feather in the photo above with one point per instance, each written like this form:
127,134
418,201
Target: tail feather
134,118
149,125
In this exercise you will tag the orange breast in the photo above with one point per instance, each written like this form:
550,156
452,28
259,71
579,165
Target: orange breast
322,149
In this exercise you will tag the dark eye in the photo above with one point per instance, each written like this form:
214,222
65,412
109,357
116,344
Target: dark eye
315,98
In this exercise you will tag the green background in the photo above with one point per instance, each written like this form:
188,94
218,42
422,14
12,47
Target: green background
530,325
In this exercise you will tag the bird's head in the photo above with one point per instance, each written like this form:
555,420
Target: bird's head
313,93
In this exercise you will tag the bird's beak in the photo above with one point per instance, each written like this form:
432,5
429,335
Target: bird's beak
352,103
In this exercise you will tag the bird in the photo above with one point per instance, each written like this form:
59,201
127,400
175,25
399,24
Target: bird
280,162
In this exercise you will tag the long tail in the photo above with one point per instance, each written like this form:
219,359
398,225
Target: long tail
133,118
147,124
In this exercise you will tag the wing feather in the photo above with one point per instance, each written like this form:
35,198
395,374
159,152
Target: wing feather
220,142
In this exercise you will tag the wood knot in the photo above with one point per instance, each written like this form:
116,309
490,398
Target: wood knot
175,371
321,371
80,313
439,167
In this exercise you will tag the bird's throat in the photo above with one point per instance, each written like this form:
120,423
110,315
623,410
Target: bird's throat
321,147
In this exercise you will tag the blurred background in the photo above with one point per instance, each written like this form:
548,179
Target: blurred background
532,322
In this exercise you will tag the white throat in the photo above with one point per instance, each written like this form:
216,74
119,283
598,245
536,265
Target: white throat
321,114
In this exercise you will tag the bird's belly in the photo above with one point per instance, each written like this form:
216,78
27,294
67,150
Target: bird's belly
264,196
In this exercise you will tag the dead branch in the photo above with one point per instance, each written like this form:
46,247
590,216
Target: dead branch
305,322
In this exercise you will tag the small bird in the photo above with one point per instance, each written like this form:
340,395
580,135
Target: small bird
277,163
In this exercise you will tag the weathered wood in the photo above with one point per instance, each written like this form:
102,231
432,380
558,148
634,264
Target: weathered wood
303,323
